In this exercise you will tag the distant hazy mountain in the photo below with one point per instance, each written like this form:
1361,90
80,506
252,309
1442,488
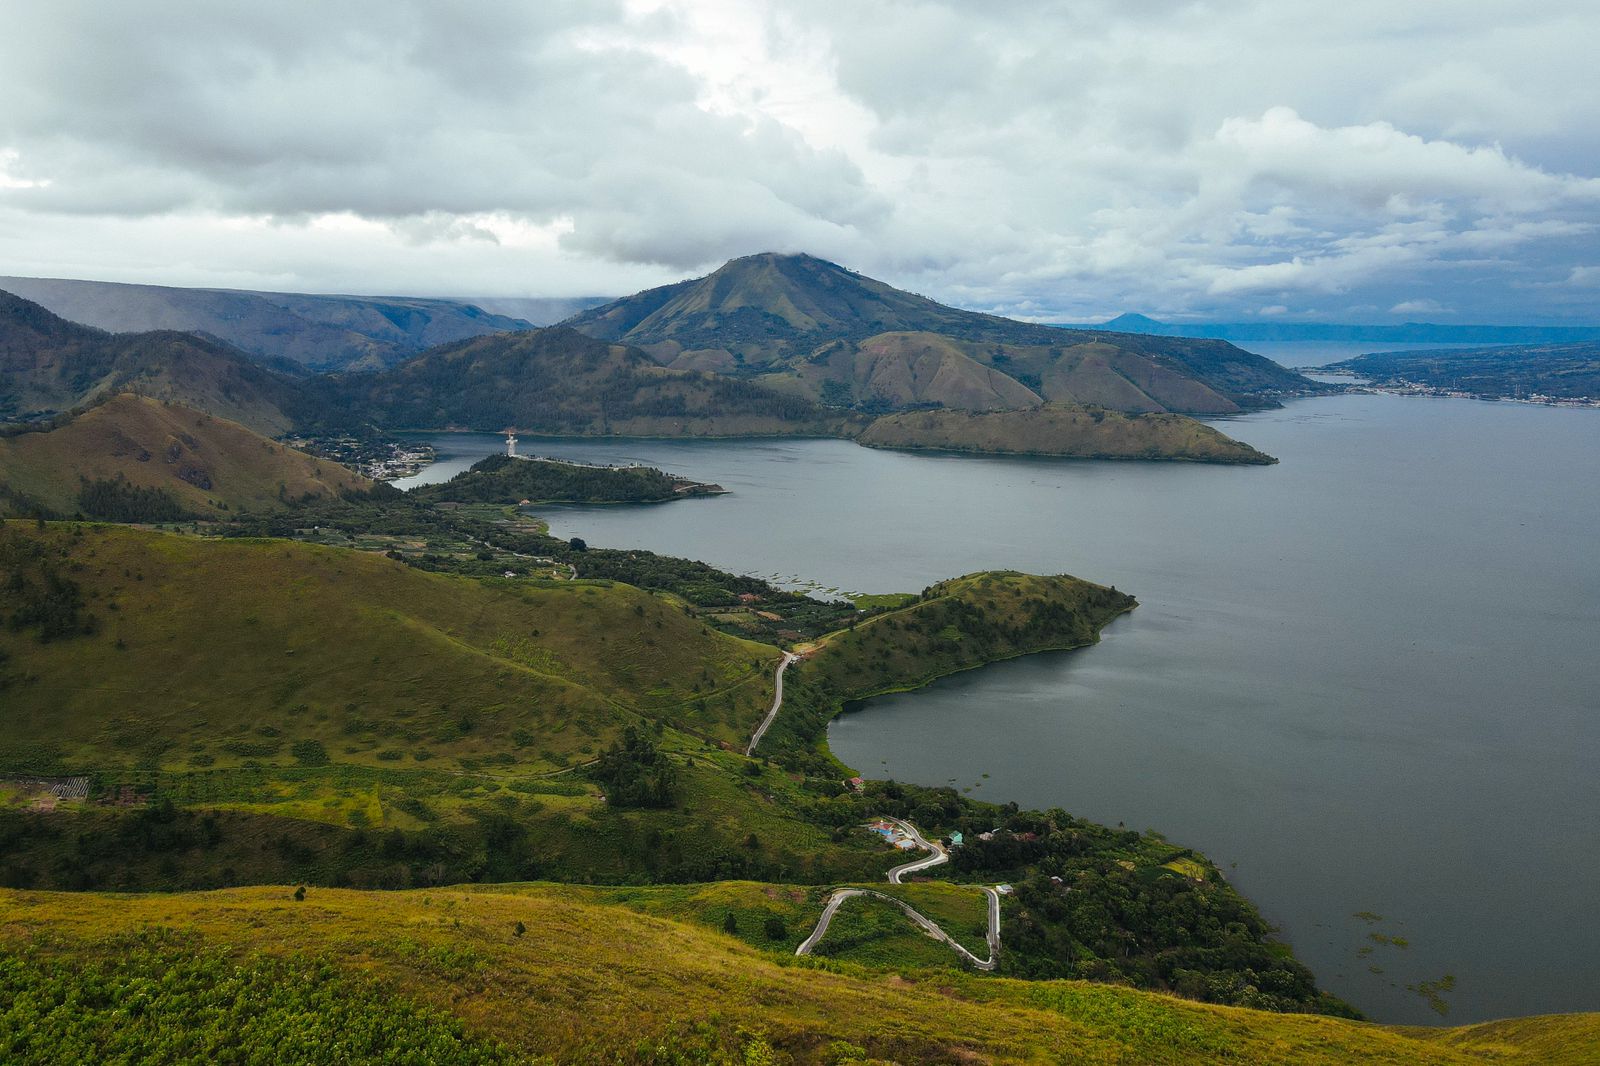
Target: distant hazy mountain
814,329
318,332
1406,333
1554,371
49,365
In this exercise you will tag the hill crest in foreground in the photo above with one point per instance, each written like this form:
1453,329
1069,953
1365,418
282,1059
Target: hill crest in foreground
610,984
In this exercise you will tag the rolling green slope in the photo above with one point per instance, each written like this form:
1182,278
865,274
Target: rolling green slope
211,653
542,973
135,445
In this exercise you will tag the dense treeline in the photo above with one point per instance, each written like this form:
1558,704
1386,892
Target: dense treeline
635,773
117,500
1166,921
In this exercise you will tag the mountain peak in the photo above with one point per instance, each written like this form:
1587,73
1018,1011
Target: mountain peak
1133,322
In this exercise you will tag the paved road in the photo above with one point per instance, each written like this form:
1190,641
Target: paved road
777,702
927,924
939,854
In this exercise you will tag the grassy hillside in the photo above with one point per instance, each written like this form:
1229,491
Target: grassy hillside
816,329
561,382
218,653
1060,430
504,480
449,975
182,713
202,464
49,365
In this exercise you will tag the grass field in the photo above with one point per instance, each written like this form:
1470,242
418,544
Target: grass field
513,973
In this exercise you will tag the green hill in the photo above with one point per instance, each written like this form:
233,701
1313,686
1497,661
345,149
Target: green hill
541,974
133,458
827,333
1060,430
49,365
504,480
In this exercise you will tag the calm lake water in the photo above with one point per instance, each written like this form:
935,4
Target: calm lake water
1364,680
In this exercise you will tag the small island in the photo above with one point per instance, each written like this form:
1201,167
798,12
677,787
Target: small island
517,479
1065,431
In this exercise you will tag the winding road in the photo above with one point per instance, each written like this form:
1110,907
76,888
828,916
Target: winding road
928,925
777,702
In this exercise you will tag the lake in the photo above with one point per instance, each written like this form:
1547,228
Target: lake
1366,680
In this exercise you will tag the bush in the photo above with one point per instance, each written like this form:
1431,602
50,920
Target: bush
309,753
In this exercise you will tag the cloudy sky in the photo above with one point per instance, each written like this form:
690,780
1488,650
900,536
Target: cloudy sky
1360,160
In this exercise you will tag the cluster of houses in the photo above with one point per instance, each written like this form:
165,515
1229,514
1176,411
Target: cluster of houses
892,832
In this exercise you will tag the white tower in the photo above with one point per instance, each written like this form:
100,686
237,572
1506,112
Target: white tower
511,444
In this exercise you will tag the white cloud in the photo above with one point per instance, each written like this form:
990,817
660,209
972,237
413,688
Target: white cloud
1051,159
1420,307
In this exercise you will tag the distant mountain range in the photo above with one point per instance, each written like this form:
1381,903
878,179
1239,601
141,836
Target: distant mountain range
320,333
557,380
1405,333
809,327
49,366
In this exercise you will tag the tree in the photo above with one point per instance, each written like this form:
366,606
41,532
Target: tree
577,544
774,927
730,924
